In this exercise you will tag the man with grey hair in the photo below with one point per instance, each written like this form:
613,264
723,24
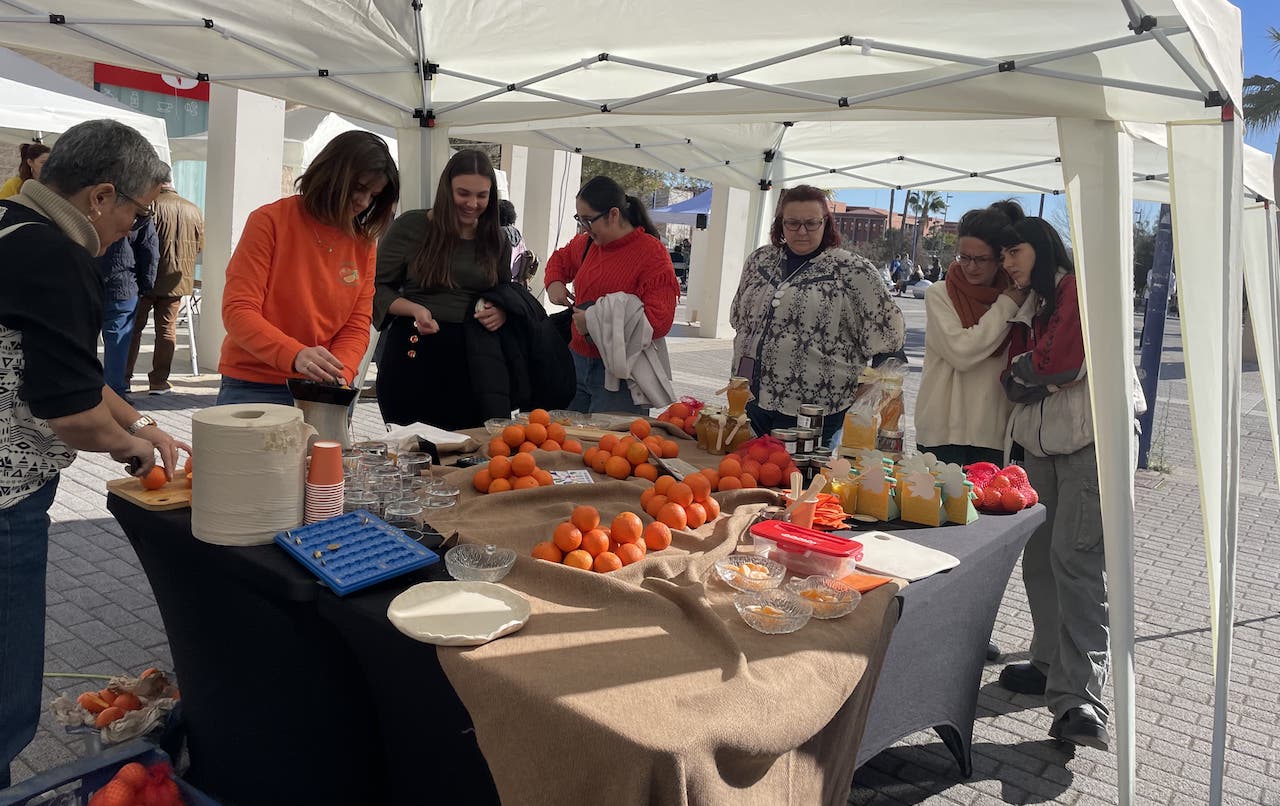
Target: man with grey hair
180,228
100,180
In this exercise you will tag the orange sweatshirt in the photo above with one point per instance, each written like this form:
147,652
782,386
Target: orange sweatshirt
294,283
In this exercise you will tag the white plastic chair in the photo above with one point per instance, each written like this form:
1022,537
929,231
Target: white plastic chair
188,314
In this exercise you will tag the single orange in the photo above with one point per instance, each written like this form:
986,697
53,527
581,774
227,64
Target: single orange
128,701
579,559
646,471
680,410
618,467
535,433
567,537
655,505
585,518
497,447
758,452
637,453
730,466
606,561
556,431
670,449
571,445
539,417
601,459
750,467
621,448
108,716
696,513
673,515
627,527
500,467
630,553
546,550
713,508
770,475
499,486
155,479
481,480
678,422
654,444
549,445
680,493
699,484
648,493
527,447
513,435
663,484
779,457
595,541
589,455
640,428
524,482
186,467
748,481
730,483
523,464
543,477
608,442
657,536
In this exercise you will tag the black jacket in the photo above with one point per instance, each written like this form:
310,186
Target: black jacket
129,265
525,364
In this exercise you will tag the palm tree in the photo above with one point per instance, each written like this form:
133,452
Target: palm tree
1262,101
924,203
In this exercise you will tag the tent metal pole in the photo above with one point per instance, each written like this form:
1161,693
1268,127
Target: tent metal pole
869,45
1040,213
921,85
420,43
560,143
831,171
1136,86
649,154
304,73
1181,61
723,163
1153,324
641,146
649,96
520,86
1095,47
793,93
72,21
746,68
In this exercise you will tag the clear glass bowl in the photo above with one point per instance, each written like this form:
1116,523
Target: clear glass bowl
566,417
750,572
773,612
830,597
472,562
496,425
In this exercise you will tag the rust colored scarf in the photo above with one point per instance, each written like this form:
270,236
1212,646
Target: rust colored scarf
972,301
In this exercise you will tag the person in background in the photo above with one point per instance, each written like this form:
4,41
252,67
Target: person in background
615,252
935,270
100,177
1063,564
31,159
507,220
180,230
128,269
299,286
808,316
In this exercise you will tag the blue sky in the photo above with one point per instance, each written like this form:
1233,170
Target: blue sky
1259,59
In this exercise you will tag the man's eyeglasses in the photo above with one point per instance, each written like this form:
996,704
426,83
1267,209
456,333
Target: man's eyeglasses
981,260
795,225
588,220
143,213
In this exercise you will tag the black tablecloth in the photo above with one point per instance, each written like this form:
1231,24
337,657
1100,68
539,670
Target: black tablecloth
933,669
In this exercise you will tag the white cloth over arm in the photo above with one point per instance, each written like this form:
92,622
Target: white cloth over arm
619,329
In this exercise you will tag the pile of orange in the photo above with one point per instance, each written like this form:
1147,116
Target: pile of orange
625,456
539,434
503,473
584,542
757,466
681,415
681,504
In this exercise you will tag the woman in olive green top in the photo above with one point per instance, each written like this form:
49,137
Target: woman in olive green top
433,267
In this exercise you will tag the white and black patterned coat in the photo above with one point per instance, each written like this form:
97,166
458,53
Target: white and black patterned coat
833,315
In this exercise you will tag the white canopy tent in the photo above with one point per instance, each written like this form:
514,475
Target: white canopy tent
1087,65
38,104
306,132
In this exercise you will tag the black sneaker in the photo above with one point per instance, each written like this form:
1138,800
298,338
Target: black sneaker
1023,678
993,652
1079,726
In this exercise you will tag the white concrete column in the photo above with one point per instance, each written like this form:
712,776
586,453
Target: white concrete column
552,179
422,153
716,260
515,162
246,156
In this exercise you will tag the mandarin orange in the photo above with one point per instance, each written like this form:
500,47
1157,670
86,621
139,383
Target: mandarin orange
606,561
539,417
657,536
579,559
549,551
595,541
513,435
567,537
618,467
523,464
640,428
673,515
585,518
626,528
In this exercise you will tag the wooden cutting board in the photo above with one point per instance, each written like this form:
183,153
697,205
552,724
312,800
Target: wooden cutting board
174,495
665,430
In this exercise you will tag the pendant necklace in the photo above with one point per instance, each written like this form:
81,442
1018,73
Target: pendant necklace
782,287
326,247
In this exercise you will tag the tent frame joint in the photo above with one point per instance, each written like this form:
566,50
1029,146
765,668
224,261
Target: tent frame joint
208,23
1145,23
1007,66
57,19
1214,98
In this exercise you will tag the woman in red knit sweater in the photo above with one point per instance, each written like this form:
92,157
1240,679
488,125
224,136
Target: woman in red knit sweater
299,293
616,252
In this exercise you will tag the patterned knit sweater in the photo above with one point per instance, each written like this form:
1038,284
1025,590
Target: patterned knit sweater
637,264
832,316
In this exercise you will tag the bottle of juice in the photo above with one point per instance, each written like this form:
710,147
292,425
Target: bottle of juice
738,393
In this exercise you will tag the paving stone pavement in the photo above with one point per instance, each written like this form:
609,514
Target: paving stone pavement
102,619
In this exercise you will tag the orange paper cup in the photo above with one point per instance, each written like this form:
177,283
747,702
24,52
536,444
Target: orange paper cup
326,463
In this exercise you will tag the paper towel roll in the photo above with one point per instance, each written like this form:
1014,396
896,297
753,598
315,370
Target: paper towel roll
251,478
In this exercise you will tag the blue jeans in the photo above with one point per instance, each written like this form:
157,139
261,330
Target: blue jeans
592,396
765,420
24,547
234,390
117,338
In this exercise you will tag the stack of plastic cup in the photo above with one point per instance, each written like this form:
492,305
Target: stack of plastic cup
324,483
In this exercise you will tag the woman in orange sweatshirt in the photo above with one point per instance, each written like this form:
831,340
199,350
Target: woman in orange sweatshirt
299,293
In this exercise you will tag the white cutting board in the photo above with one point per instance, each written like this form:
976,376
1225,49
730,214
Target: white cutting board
889,555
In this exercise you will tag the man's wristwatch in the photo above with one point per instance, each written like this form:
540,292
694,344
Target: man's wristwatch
141,423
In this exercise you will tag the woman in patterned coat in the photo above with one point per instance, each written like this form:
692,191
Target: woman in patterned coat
808,317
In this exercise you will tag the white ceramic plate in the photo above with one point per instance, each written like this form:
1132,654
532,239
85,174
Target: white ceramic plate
458,613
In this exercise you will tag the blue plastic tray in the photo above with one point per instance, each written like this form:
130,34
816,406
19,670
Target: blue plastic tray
368,551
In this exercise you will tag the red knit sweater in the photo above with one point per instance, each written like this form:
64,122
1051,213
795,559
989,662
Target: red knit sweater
637,263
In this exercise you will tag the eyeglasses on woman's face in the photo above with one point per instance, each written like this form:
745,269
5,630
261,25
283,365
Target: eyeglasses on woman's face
586,221
808,225
977,260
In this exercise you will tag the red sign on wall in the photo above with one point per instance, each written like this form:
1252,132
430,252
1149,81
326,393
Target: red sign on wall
151,82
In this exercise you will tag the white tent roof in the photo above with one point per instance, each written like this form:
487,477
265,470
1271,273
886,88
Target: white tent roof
37,103
306,132
978,59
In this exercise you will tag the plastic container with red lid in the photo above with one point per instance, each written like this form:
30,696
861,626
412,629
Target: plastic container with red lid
806,551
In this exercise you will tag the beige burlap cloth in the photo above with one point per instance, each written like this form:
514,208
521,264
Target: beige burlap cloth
644,685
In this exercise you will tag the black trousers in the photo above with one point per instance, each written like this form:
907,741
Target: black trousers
426,379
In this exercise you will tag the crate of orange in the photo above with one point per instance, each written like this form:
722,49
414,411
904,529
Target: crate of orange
624,456
133,772
586,543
